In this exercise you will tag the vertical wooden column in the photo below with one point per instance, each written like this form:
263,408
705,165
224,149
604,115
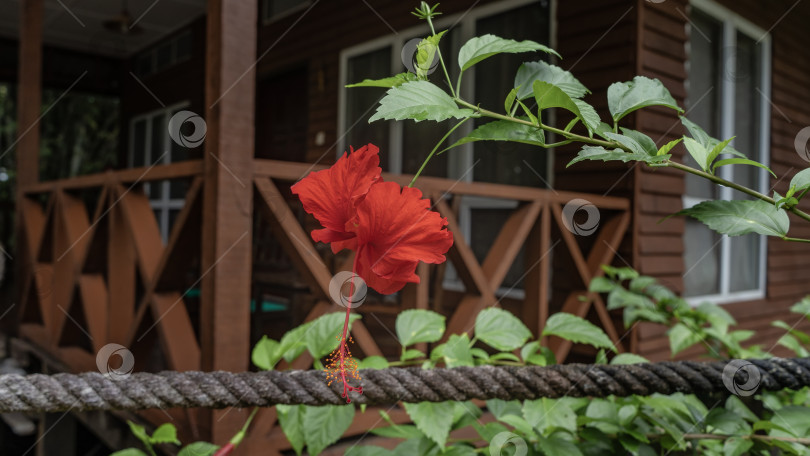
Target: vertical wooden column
29,95
230,83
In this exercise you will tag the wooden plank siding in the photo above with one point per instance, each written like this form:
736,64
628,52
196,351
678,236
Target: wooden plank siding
662,54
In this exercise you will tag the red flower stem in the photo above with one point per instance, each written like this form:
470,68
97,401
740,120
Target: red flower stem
344,348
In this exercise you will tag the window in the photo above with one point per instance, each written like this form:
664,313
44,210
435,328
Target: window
729,82
273,10
150,145
405,145
165,55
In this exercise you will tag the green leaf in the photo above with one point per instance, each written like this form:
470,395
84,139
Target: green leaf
576,329
456,351
801,180
542,71
322,337
510,100
626,97
393,81
668,146
682,337
411,353
698,152
293,343
500,408
740,161
198,449
417,325
266,353
291,418
739,217
129,452
705,140
626,414
630,143
601,285
646,143
628,358
400,431
588,115
482,47
165,433
139,432
507,356
558,446
551,96
459,450
717,150
368,450
519,424
735,405
736,446
794,419
600,153
433,419
605,416
419,100
373,362
504,130
500,329
802,307
325,425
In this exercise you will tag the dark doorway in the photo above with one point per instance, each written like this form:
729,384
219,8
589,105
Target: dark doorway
281,116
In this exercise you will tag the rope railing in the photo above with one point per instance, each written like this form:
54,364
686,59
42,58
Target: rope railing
95,391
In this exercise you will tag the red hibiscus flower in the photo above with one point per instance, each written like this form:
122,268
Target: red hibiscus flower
391,228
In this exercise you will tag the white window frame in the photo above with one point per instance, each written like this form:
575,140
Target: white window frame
165,204
732,23
462,158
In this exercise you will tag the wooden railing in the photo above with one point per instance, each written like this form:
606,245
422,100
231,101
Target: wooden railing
107,277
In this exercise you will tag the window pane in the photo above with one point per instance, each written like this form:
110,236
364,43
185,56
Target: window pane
419,138
745,262
360,102
157,153
139,144
507,162
702,260
703,98
747,109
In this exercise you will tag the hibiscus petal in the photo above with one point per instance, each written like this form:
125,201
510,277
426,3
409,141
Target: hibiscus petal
330,195
395,230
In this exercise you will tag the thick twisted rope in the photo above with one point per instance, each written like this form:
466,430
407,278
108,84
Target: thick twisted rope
94,391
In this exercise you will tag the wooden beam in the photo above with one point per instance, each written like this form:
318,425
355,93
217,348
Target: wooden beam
227,214
29,96
124,176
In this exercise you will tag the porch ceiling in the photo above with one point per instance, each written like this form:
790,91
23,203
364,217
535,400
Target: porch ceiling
78,24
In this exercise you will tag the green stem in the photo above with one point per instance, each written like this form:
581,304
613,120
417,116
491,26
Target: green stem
441,61
792,239
435,148
799,198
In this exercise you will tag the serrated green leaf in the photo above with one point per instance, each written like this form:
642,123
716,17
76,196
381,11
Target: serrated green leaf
628,358
739,217
682,337
601,285
646,143
628,142
418,325
740,161
291,419
547,415
605,416
501,408
550,96
325,425
558,446
542,71
626,414
588,115
418,100
504,130
373,362
139,432
703,138
600,153
165,433
482,47
717,150
426,54
500,329
698,152
322,337
368,450
736,446
626,97
265,353
411,353
519,424
576,329
198,449
802,307
456,351
400,431
393,81
129,452
801,180
507,356
794,419
668,146
433,419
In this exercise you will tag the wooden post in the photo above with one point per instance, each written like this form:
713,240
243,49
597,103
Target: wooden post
29,95
230,84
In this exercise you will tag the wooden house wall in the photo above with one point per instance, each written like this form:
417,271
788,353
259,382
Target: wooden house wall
663,54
